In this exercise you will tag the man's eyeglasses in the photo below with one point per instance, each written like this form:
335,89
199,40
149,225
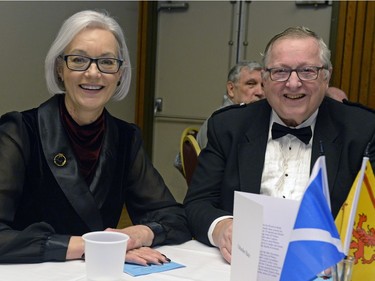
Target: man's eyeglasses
306,73
82,63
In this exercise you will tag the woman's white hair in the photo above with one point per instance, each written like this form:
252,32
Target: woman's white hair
70,28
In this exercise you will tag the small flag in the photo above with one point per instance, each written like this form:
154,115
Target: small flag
361,240
315,243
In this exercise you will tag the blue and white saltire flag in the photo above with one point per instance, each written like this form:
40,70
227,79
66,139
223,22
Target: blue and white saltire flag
315,242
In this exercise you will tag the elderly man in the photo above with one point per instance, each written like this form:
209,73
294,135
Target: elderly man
269,146
244,85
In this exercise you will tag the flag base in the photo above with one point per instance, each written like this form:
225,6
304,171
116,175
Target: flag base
342,271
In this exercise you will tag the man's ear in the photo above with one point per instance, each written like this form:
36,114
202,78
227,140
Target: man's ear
329,74
263,74
230,87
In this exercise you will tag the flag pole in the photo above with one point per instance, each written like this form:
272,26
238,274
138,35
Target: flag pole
324,174
353,210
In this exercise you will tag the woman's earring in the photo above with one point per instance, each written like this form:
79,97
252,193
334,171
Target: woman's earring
118,83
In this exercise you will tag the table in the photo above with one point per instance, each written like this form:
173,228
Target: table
202,263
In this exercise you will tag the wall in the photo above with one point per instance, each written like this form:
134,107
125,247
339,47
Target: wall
27,29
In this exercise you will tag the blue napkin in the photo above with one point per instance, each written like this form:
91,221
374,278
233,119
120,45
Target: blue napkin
322,279
137,270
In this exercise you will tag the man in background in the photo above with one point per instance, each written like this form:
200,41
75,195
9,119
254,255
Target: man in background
244,85
336,94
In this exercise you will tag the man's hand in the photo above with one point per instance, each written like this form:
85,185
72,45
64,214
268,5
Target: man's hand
222,236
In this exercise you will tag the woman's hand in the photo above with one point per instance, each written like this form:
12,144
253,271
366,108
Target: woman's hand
76,248
145,256
138,250
139,235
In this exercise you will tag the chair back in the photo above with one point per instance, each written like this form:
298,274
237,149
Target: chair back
189,155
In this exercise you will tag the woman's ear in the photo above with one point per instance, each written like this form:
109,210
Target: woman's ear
120,73
59,68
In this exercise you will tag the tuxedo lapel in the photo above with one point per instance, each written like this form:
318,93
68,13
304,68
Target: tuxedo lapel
251,149
65,169
326,133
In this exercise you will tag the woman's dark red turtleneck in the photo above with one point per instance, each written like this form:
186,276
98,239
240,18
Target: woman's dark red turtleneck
86,141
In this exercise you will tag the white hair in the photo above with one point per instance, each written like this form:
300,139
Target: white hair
70,28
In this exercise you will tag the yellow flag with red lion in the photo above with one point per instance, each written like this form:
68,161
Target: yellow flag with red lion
362,242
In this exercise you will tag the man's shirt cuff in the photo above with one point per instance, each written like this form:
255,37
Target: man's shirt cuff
212,227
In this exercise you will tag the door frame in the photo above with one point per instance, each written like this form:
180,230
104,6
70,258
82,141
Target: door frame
146,61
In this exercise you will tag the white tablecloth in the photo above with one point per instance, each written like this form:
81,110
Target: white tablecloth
202,263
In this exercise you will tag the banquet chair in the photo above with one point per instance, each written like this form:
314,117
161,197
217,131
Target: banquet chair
189,156
124,220
178,161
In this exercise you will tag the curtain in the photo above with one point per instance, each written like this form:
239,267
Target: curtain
354,52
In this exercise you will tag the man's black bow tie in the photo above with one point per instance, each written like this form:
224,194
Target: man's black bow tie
304,134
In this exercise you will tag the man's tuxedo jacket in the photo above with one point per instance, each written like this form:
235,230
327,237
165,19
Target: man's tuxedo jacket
235,156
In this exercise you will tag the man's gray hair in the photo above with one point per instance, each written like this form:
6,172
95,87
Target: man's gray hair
234,72
301,32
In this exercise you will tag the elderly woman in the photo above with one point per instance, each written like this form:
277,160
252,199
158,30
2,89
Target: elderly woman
68,166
